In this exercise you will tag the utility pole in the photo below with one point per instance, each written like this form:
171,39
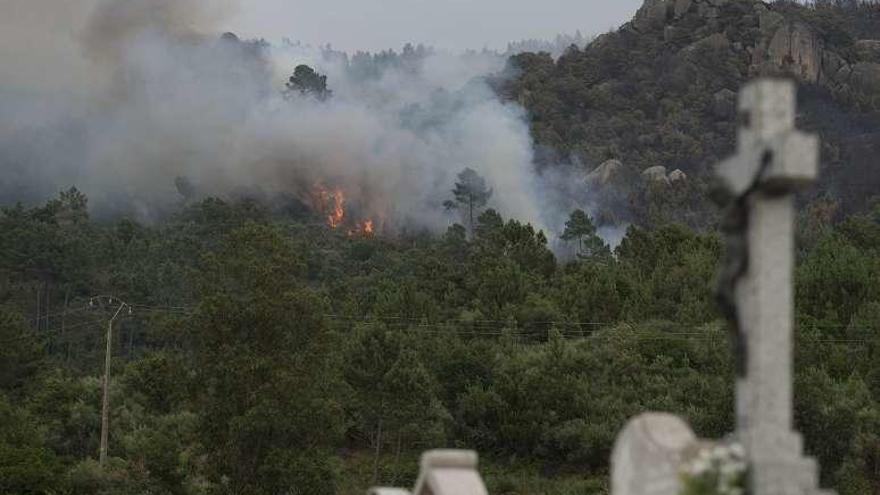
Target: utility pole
105,402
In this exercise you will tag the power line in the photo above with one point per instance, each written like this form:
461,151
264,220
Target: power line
643,336
47,333
478,327
487,327
74,310
465,320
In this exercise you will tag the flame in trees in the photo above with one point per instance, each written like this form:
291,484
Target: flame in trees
330,202
337,213
364,228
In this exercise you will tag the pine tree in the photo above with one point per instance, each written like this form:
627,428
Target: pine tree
471,193
307,82
580,227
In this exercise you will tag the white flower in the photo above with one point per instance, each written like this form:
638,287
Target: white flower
699,467
718,453
732,468
738,451
705,454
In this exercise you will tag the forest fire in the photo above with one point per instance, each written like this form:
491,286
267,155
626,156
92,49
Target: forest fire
364,228
331,203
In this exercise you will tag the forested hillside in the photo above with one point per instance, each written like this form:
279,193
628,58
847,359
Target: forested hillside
661,92
263,353
274,343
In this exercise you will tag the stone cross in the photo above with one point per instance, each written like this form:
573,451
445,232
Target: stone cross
772,162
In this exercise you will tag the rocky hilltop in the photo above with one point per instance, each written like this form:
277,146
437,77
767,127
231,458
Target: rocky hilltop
661,92
774,43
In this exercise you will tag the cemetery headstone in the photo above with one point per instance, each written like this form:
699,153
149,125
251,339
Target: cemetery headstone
444,472
648,454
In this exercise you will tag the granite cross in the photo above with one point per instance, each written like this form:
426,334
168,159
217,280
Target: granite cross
772,162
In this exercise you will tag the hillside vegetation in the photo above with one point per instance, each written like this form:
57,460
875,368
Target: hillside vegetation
264,354
661,91
260,351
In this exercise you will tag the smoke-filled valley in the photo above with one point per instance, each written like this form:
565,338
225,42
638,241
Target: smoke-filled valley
162,113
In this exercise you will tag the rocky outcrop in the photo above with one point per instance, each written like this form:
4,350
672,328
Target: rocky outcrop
793,49
655,175
677,176
773,44
658,175
652,14
790,47
605,173
786,47
657,13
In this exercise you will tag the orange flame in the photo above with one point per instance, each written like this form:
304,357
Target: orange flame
331,203
364,228
337,213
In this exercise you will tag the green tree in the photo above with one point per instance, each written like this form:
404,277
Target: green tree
20,352
671,268
580,228
471,193
396,395
835,279
271,385
305,81
513,240
69,412
26,465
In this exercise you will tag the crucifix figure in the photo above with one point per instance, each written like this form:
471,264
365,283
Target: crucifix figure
773,161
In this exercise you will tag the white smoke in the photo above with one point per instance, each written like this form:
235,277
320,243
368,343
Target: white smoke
157,99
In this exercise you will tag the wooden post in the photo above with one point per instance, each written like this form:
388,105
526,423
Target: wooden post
105,402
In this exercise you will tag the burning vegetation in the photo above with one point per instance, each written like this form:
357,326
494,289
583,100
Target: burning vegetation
364,227
330,203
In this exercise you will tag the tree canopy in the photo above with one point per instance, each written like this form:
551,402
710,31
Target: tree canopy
265,354
305,81
470,194
580,228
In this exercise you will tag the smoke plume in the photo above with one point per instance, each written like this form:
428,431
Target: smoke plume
129,99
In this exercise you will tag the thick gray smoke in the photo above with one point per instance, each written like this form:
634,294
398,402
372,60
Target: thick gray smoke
126,98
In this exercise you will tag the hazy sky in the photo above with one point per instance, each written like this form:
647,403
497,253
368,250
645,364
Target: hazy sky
451,24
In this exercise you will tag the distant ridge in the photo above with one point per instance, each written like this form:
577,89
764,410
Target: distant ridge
661,91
